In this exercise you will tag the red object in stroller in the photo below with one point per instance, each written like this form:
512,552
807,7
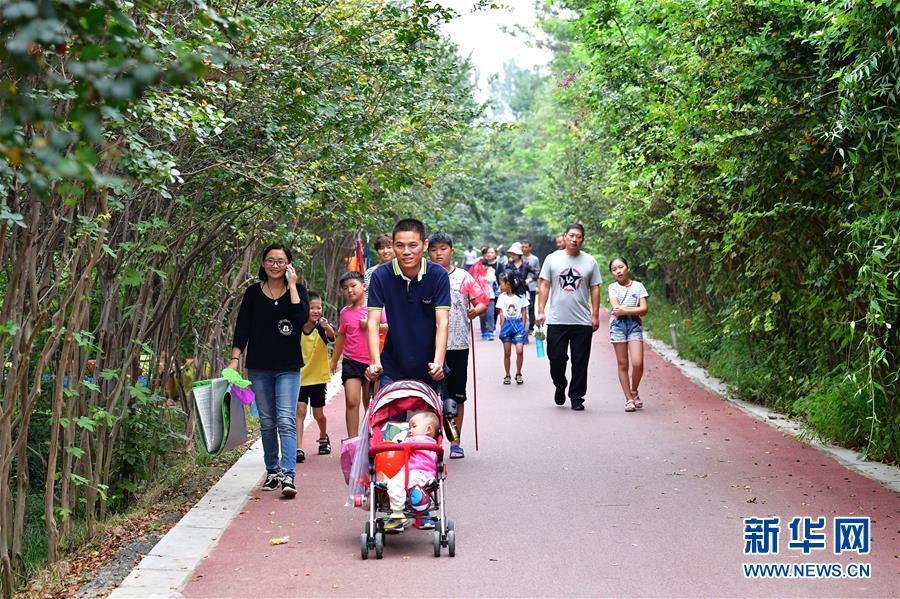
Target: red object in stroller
395,402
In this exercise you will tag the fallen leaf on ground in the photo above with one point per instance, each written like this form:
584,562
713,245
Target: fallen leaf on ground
279,540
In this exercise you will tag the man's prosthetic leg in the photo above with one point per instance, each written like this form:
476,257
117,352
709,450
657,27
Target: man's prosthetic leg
450,412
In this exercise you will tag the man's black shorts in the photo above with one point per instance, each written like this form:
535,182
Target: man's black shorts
351,369
457,361
314,395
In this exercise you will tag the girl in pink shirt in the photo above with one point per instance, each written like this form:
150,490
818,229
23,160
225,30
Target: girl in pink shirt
352,345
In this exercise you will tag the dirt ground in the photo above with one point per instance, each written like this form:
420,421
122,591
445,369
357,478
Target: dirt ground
96,568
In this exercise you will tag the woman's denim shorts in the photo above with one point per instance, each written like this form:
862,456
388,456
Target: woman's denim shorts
625,328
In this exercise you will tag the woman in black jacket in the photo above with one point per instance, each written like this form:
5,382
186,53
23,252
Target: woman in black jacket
268,327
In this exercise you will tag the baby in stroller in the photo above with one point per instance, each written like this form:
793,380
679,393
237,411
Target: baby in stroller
420,473
398,467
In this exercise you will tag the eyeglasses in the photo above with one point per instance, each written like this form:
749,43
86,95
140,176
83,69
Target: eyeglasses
273,262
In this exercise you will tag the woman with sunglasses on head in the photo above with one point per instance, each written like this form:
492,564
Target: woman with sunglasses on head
269,322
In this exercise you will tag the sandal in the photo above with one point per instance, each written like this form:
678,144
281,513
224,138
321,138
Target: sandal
637,400
456,452
629,405
519,380
507,380
324,445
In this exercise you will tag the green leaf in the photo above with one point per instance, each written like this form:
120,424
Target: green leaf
12,218
79,480
132,278
75,451
85,423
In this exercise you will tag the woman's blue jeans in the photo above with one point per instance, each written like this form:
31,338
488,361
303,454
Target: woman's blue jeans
276,399
487,319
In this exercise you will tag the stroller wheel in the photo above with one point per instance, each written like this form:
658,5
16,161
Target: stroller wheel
451,543
437,543
379,545
364,545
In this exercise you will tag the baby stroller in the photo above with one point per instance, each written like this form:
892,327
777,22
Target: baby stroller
393,403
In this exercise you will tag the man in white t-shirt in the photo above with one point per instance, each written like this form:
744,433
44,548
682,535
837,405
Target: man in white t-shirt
471,256
569,279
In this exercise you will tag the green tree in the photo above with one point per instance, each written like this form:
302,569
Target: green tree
741,152
148,151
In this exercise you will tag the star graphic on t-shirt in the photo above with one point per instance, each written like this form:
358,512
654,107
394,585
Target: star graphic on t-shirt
570,279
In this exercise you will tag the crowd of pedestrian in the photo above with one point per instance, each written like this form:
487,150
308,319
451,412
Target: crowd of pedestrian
409,317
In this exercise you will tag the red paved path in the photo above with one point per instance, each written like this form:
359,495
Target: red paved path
560,503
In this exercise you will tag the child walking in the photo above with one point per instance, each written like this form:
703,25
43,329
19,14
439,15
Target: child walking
513,307
352,345
626,333
468,299
315,336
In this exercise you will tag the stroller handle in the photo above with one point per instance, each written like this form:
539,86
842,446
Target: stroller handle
406,447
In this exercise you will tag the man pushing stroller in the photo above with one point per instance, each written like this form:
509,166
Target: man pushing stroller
415,295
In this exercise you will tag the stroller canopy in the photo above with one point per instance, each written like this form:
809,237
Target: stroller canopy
399,397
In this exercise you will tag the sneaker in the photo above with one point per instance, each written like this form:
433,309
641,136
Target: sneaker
425,521
560,396
395,524
273,480
324,445
287,487
578,405
301,456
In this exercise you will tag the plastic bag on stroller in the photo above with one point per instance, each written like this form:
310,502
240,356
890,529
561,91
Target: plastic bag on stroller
355,464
